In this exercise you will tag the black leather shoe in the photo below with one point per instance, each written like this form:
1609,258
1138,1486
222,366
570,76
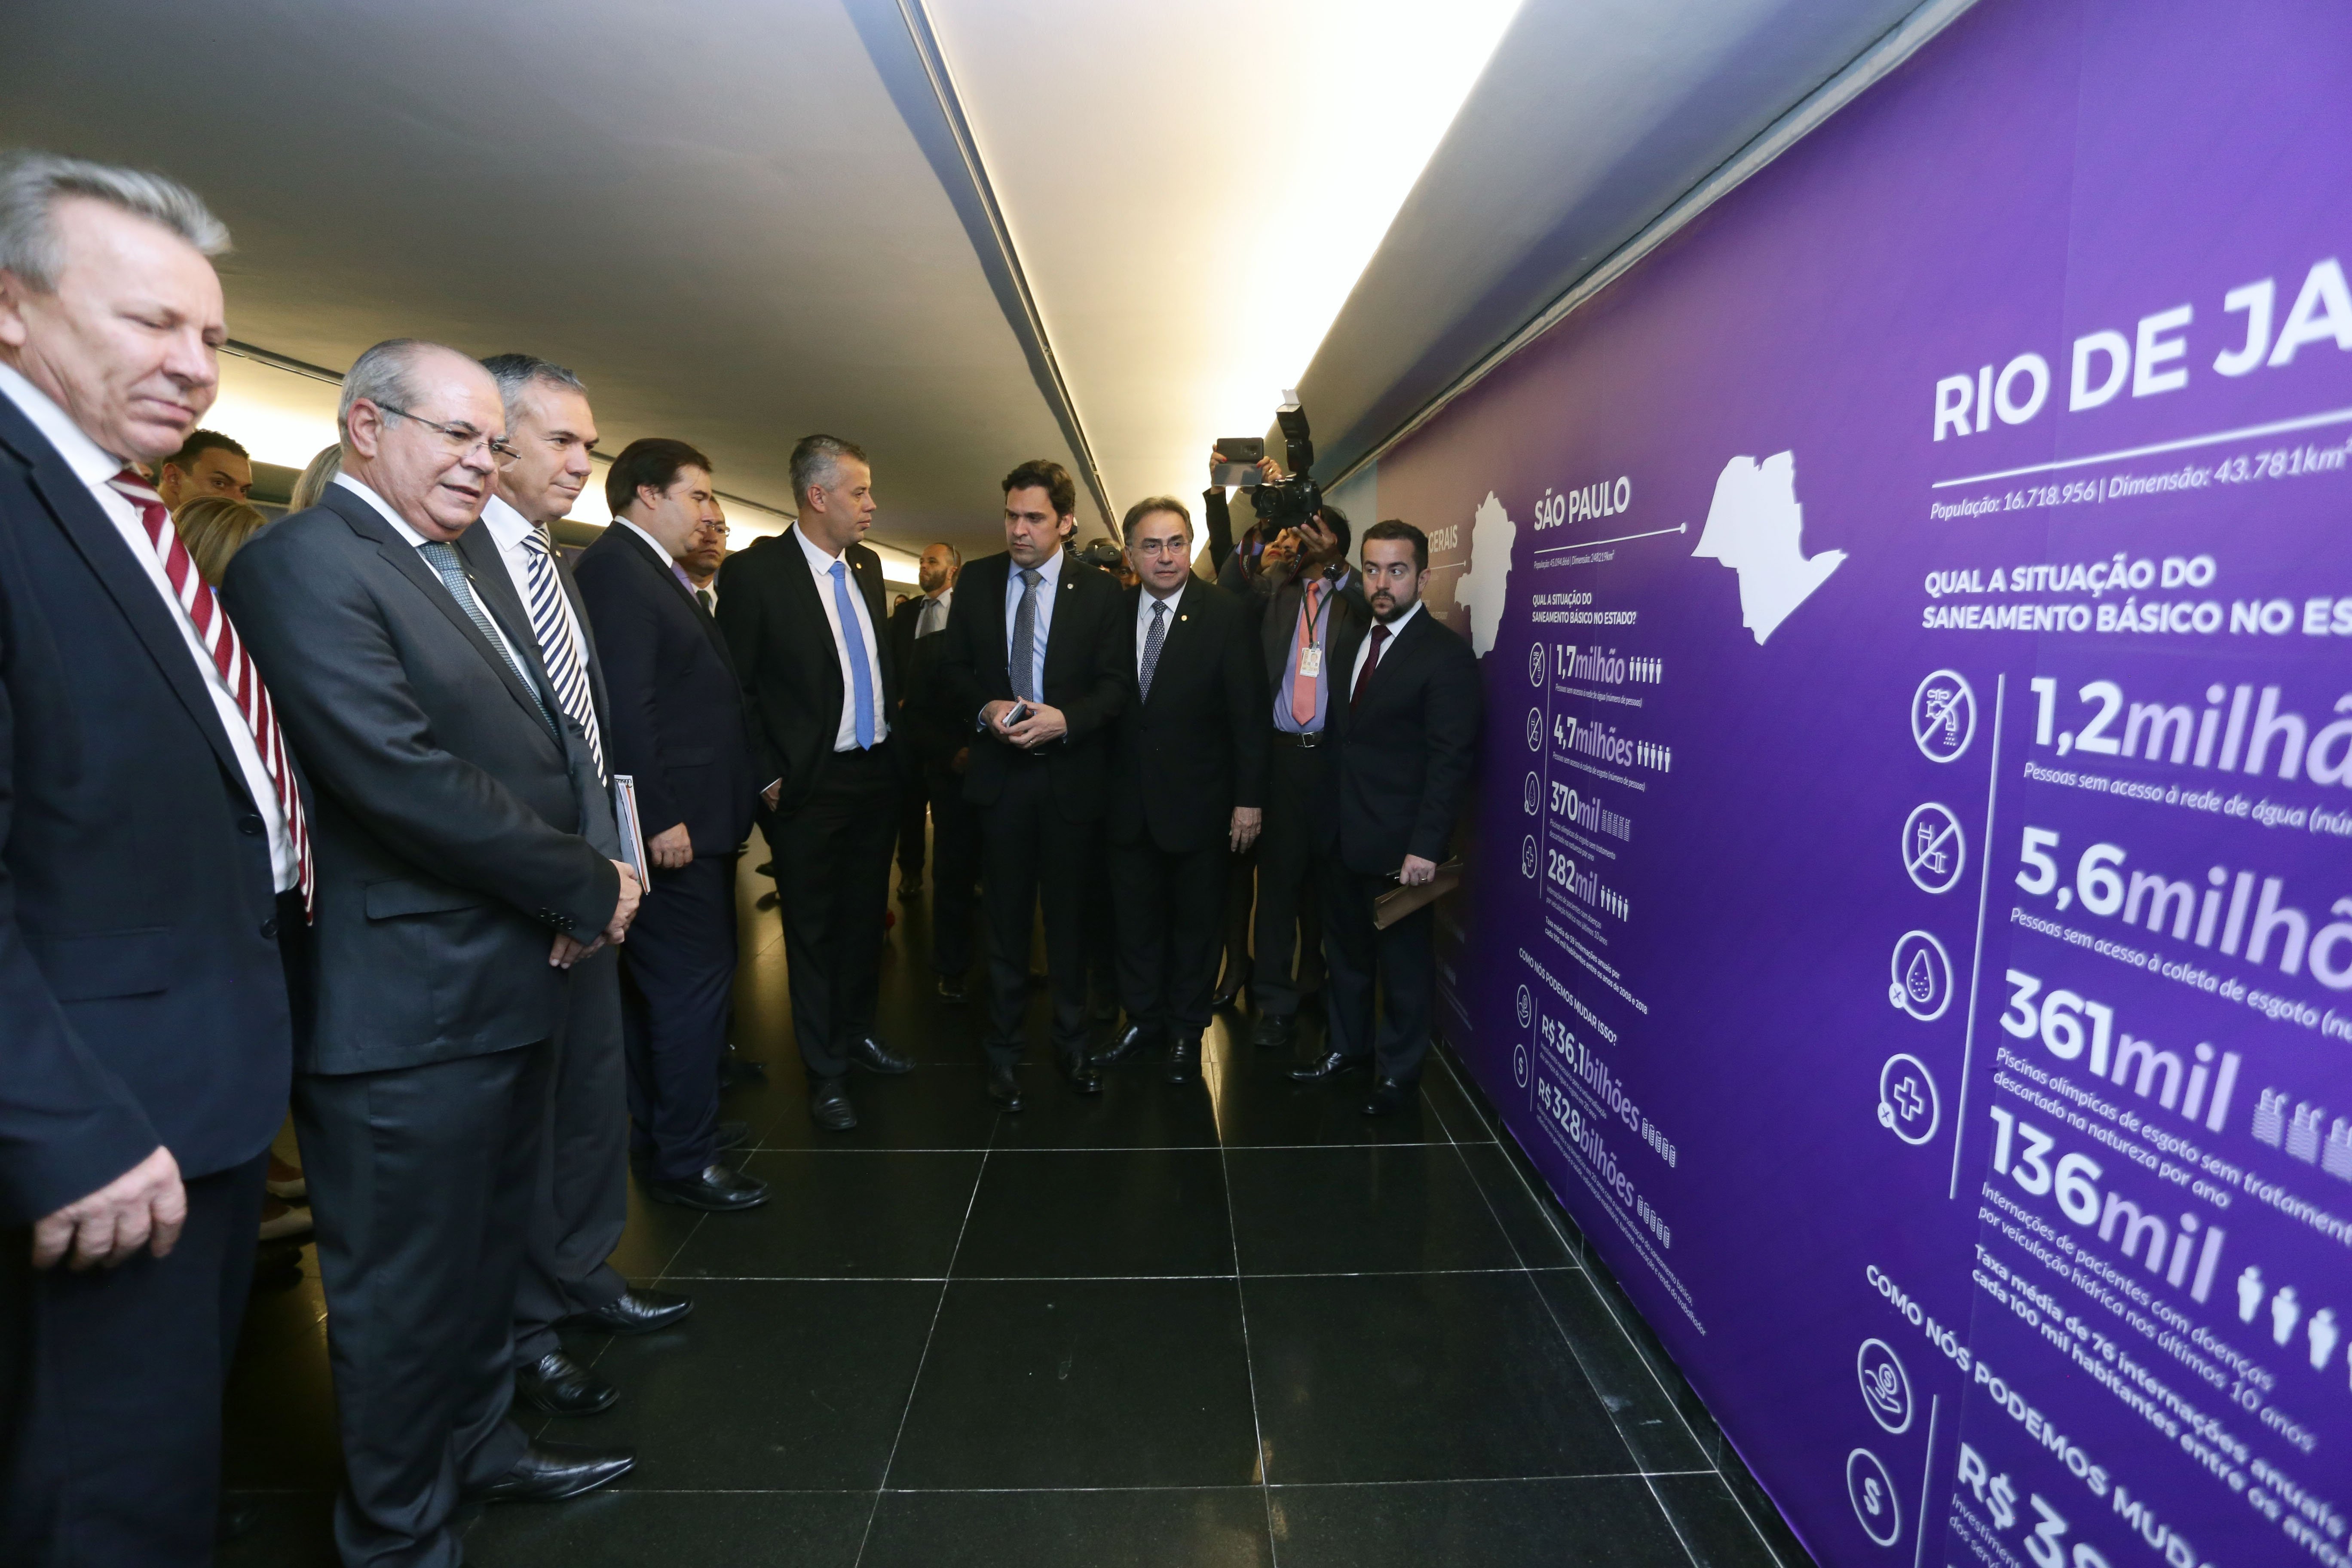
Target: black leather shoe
829,1105
1388,1097
561,1386
1230,992
764,869
550,1472
1328,1067
718,1189
1005,1087
1135,1038
1274,1031
910,887
767,901
1077,1072
870,1054
951,990
1184,1060
638,1310
731,1135
739,1072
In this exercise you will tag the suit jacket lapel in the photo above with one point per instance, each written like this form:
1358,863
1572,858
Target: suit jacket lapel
808,611
125,580
362,519
666,570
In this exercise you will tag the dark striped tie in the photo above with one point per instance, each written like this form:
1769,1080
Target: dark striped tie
1153,641
559,641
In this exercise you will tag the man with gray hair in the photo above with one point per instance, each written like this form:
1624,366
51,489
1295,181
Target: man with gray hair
154,868
466,861
805,621
581,1197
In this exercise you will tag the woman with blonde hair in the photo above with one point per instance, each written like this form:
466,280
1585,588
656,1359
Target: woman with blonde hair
320,473
215,528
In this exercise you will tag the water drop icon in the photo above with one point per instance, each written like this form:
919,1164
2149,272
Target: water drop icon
1920,978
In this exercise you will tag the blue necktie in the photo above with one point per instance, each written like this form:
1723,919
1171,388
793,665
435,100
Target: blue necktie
852,637
444,560
1024,637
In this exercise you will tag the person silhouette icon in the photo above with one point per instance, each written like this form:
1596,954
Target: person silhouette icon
2285,1311
2250,1293
2323,1334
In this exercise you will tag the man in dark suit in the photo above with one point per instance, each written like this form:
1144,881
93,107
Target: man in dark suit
805,619
1310,607
679,732
464,861
1406,735
1188,780
941,748
1031,666
151,858
910,616
580,1199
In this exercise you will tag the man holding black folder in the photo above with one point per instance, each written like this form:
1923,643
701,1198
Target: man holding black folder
678,732
1405,730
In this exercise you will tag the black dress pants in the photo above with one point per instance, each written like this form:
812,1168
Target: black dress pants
1291,852
913,796
421,1189
580,1199
1241,904
955,870
111,1389
1032,855
1399,959
678,973
1171,909
832,876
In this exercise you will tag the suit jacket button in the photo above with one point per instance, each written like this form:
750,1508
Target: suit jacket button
249,825
269,928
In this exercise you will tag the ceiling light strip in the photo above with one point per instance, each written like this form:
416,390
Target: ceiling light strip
1031,323
1898,44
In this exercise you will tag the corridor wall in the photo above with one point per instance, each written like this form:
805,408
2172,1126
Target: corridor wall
1910,907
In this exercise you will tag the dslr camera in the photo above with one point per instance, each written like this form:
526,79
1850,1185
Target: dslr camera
1294,502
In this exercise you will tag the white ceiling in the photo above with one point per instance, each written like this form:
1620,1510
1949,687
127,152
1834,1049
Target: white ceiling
961,232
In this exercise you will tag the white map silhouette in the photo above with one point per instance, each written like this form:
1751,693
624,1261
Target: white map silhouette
1755,528
1487,574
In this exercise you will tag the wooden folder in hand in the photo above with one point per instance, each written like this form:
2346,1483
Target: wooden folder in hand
1399,901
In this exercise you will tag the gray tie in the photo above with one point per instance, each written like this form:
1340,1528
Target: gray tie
1152,639
443,558
1024,637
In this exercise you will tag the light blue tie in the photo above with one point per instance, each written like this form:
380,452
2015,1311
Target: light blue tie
852,637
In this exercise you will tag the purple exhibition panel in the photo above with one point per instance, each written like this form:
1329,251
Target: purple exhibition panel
1910,920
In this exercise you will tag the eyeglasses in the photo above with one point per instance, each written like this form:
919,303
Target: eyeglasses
1177,547
461,439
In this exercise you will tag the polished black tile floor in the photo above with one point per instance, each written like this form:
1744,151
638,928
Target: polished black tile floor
1230,1322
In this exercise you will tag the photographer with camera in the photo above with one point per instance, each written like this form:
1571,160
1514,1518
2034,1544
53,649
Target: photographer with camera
1309,604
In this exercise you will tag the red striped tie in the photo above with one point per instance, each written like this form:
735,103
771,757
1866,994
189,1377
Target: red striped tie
219,638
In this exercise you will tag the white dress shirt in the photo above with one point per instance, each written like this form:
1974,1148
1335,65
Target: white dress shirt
1364,648
94,465
511,530
1144,603
1049,588
820,566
